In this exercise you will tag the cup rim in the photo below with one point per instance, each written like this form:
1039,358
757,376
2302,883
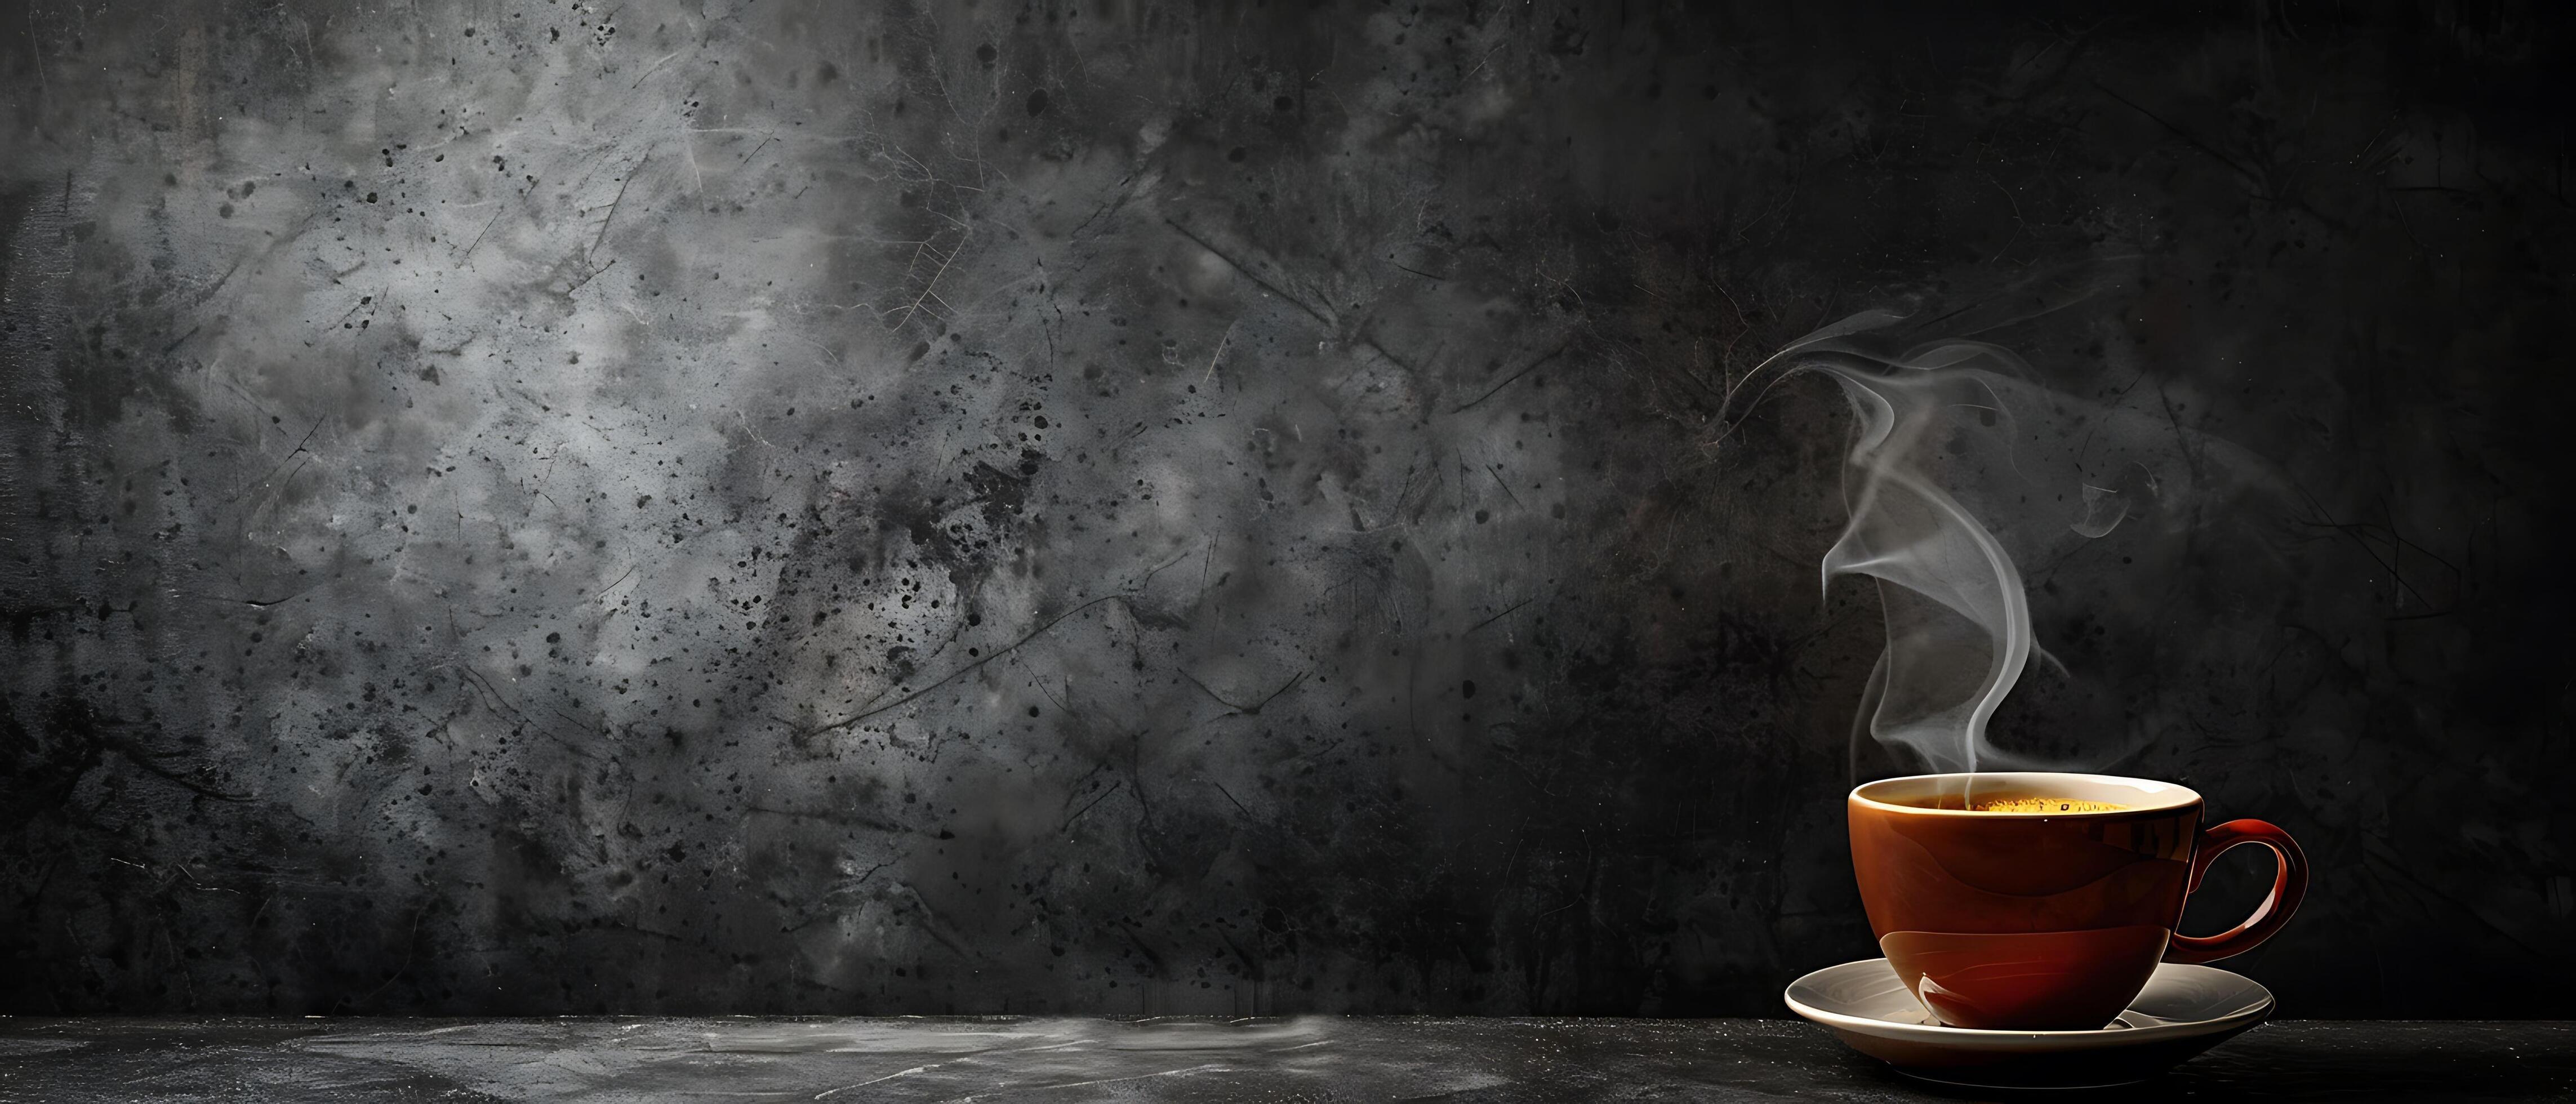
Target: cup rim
2162,796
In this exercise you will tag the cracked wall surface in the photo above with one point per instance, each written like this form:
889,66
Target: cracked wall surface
542,507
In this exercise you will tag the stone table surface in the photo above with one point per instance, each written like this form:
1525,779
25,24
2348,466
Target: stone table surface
1171,1058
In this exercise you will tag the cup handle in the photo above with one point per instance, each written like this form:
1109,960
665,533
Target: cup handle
2289,884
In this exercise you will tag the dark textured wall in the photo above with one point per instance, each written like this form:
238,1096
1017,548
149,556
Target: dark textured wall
757,506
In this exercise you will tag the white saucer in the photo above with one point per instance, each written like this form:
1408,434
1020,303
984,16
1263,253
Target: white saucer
2183,1011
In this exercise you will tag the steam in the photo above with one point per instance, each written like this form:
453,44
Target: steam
1955,454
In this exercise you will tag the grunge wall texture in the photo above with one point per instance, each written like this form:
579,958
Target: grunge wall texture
524,506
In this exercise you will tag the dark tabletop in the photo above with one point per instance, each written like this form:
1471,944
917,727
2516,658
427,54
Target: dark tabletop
1305,1059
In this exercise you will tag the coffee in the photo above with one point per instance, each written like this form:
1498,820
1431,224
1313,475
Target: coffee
2015,805
2042,805
2053,912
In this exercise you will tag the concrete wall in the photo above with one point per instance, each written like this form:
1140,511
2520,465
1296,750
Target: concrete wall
526,506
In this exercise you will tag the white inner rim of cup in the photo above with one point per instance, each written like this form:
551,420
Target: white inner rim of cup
2133,794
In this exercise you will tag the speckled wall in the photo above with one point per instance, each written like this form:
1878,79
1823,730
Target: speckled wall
525,506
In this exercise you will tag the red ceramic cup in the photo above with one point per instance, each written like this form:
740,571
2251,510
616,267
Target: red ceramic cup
2049,920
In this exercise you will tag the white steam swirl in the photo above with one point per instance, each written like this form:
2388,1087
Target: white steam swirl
1935,422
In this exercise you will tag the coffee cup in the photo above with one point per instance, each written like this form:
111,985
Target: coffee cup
2043,901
